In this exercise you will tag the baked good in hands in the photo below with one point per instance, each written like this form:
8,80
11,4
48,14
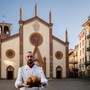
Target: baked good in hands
34,81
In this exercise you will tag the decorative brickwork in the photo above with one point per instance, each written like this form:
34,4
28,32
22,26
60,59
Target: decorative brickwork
10,53
59,55
36,39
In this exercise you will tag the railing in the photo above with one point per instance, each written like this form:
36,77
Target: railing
75,69
88,48
87,63
73,62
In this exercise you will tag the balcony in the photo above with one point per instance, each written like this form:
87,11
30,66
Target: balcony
88,36
73,62
87,63
88,48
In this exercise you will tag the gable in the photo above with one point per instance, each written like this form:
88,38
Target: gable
36,18
58,40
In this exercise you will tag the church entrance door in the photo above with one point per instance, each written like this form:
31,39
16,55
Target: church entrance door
10,75
58,72
10,72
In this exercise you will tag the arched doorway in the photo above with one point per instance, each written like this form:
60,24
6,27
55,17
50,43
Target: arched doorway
10,72
58,72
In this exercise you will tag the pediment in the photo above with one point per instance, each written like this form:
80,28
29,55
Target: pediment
38,19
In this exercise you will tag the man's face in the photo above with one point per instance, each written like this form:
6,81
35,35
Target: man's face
29,58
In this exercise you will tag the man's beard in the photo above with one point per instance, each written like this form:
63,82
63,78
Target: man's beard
30,62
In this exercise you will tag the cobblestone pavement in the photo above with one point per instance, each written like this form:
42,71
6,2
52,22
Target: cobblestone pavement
54,84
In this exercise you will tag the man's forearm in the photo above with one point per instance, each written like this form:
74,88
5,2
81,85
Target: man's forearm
23,85
20,85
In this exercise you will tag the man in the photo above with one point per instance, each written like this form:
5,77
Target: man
29,70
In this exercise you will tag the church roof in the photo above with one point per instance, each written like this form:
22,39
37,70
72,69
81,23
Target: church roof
10,37
59,40
36,18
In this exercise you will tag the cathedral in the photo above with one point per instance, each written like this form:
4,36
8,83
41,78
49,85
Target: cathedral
34,34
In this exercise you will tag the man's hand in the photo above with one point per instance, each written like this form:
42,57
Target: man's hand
23,85
43,84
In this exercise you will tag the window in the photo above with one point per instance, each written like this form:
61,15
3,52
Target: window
6,30
82,42
80,52
83,50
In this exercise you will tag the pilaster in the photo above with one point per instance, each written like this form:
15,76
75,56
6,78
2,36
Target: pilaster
67,59
51,51
21,42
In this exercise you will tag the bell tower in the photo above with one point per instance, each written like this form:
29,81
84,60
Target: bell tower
5,30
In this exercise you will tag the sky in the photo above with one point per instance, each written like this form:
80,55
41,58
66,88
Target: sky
67,15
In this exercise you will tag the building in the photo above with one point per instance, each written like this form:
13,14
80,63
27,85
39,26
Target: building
85,46
35,34
81,53
74,62
79,58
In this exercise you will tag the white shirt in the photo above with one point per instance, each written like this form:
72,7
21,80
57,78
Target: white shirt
25,72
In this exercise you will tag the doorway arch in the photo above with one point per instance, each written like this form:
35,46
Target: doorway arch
10,72
58,72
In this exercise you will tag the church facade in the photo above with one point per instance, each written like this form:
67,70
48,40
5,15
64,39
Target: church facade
35,34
